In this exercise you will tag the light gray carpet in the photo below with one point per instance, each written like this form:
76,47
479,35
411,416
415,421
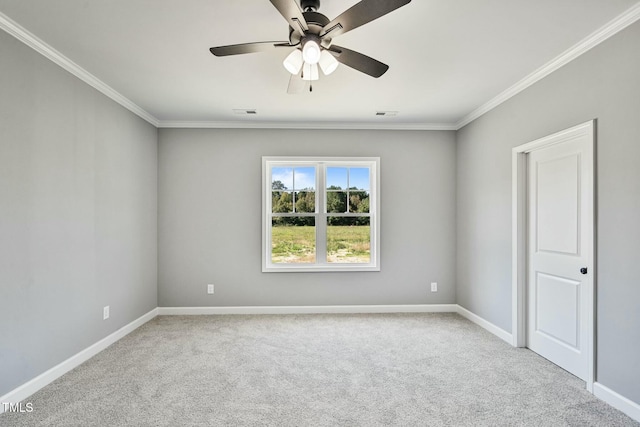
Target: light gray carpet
316,370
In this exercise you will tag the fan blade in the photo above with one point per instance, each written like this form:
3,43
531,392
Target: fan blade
360,14
238,49
290,10
358,61
296,84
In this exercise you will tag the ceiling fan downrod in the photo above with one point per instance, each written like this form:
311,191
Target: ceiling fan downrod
310,5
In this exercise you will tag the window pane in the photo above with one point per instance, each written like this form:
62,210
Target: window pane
348,240
281,202
304,178
306,201
282,179
293,240
359,201
336,178
359,178
336,201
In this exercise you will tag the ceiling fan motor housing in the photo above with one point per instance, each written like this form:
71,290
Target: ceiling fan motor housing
315,22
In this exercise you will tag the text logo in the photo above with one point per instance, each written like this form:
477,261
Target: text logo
21,408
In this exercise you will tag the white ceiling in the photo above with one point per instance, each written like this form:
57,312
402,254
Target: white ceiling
449,60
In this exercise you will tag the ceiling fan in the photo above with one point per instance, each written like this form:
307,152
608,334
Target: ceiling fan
311,34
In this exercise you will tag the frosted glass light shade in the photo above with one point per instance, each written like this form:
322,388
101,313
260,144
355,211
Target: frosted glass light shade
311,52
310,72
328,63
293,62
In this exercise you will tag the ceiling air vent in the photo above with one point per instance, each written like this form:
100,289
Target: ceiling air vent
248,112
386,113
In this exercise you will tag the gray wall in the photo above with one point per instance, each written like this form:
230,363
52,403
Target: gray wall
78,215
210,218
603,84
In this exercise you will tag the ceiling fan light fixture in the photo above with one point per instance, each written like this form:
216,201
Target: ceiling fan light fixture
310,72
293,62
328,63
311,52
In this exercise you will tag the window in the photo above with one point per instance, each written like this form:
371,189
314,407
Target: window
320,214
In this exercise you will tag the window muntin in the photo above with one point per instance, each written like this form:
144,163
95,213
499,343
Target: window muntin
320,214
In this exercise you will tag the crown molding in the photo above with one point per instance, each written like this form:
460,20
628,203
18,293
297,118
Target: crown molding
13,28
306,125
613,27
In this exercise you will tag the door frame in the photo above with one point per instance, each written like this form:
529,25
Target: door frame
519,241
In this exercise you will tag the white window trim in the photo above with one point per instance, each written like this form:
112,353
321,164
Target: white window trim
374,212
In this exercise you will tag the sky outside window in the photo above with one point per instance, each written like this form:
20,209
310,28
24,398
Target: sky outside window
348,178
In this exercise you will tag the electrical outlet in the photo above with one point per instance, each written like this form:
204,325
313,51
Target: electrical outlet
210,289
105,313
434,286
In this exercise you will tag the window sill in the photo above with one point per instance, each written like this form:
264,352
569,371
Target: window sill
319,268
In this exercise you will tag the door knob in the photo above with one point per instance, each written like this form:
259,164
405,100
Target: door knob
583,270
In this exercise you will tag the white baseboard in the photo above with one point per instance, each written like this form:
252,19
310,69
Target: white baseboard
315,309
495,330
27,389
616,400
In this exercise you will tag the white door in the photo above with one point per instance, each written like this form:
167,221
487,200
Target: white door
559,253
